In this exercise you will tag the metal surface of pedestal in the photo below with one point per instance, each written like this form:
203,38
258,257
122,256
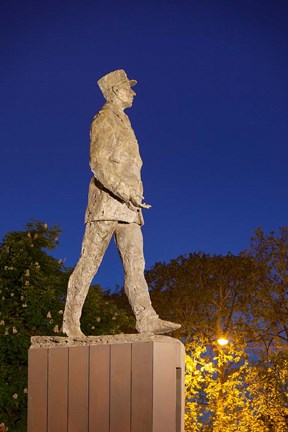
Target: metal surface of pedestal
125,383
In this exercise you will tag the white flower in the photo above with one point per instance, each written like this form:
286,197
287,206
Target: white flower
60,312
98,319
22,298
15,396
27,282
2,322
24,305
14,330
49,315
12,294
25,390
27,273
56,329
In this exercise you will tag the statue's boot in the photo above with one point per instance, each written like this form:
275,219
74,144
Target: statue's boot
71,326
151,323
147,320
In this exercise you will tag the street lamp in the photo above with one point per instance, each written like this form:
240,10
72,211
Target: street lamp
222,341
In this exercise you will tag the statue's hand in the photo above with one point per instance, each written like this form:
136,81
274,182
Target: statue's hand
146,206
137,202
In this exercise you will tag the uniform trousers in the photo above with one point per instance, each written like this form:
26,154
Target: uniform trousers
129,241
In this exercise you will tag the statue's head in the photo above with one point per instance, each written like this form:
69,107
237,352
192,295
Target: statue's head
116,87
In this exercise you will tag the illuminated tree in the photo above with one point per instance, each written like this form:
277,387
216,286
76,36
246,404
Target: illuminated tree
239,388
222,394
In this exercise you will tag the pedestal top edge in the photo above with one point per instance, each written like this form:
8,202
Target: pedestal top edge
62,341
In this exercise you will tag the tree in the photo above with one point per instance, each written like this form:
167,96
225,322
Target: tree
245,299
268,314
31,285
223,391
268,385
205,293
269,303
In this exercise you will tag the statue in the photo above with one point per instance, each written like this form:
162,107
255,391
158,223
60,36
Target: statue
114,208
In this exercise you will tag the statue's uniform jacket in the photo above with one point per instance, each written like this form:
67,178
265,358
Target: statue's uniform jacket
116,164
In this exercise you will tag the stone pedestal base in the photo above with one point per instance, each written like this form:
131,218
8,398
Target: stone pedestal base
123,383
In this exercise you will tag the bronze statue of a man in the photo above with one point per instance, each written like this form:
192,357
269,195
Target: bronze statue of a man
114,208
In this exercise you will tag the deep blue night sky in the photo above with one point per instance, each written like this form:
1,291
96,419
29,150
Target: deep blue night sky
210,116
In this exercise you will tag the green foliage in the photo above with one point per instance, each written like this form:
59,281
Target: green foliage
13,380
32,285
31,282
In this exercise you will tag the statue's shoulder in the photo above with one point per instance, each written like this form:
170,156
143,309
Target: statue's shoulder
104,115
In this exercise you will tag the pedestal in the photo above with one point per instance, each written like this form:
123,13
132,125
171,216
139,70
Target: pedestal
123,383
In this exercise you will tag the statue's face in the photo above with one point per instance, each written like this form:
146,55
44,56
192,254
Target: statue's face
124,95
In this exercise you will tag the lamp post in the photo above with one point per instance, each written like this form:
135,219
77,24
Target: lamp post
222,341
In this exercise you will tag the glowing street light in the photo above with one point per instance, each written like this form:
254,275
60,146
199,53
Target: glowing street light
222,341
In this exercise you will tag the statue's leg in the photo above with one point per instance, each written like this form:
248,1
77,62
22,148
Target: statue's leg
129,242
96,239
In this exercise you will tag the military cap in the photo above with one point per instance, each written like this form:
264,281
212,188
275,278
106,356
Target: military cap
115,78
